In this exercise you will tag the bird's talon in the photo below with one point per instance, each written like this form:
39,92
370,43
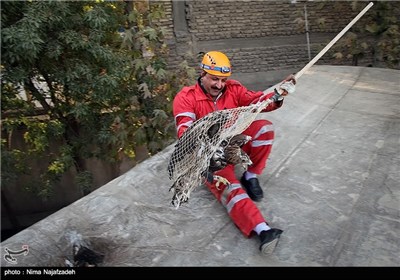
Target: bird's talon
220,180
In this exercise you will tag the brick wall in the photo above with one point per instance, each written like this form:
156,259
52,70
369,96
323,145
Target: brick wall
212,20
258,36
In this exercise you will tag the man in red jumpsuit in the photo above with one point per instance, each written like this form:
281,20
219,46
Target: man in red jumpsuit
213,91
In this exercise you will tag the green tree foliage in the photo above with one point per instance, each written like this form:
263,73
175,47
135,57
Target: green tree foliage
379,37
89,76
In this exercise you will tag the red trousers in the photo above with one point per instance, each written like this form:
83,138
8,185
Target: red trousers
242,210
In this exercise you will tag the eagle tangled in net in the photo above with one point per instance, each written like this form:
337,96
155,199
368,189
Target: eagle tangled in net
234,153
221,130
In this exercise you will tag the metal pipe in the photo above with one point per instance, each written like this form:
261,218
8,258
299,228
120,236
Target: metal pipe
334,40
307,31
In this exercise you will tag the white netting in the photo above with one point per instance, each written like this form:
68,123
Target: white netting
193,151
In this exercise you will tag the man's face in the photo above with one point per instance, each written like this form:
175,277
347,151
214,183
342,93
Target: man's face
213,84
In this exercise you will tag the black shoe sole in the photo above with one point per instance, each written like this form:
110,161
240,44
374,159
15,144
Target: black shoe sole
269,247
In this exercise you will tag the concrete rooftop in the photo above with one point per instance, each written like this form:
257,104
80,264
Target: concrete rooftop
332,184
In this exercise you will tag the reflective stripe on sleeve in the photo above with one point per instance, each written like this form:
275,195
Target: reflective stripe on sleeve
186,114
187,124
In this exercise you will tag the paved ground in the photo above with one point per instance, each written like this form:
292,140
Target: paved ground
332,184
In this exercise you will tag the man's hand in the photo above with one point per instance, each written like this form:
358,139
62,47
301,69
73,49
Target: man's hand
288,85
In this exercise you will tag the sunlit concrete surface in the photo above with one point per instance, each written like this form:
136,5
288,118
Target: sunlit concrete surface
332,184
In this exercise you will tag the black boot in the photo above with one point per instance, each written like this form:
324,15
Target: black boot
269,239
252,188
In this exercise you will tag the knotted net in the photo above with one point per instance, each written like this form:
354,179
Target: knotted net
190,159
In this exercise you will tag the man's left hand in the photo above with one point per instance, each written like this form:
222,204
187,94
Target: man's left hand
288,85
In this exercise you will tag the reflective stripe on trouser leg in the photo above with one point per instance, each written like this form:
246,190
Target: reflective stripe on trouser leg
259,148
242,210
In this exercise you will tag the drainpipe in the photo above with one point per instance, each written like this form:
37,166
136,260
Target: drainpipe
307,31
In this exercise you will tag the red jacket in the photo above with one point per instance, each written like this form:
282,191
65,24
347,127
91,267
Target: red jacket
192,103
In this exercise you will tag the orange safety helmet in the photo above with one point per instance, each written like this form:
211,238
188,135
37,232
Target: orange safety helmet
216,63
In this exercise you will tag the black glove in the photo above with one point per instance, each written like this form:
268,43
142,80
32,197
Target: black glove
209,176
218,160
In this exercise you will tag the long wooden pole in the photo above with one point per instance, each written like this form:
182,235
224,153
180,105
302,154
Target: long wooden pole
334,40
